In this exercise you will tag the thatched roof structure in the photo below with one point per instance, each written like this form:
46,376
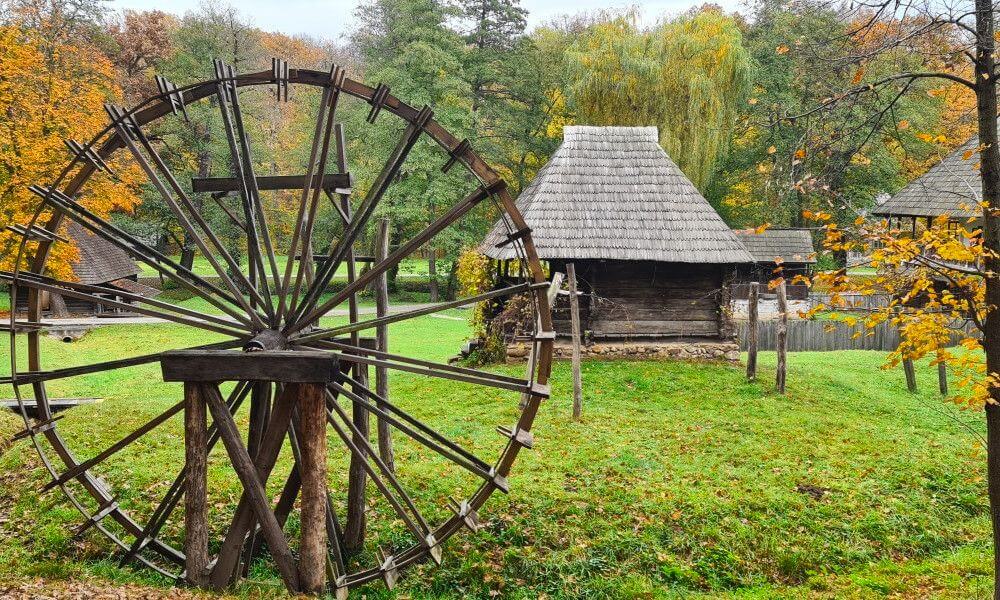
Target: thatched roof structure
787,245
613,193
951,187
100,261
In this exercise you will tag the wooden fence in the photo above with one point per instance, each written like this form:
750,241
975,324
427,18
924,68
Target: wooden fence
813,336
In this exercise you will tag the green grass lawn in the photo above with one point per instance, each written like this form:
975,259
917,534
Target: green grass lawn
681,481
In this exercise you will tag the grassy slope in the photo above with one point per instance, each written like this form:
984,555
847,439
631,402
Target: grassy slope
682,480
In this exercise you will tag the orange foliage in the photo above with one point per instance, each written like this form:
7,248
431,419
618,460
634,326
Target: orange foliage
50,93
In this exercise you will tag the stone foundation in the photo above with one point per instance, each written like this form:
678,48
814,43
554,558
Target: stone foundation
713,350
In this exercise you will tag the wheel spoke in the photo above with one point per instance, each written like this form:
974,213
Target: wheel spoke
456,212
332,332
40,376
116,447
199,320
385,178
227,95
108,232
127,129
436,442
364,453
315,173
355,355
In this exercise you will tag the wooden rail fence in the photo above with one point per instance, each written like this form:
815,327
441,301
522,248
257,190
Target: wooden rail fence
813,336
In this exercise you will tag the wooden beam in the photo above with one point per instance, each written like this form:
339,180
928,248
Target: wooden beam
312,439
269,365
196,486
331,181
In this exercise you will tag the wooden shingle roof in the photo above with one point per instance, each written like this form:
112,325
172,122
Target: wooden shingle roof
789,245
613,193
951,187
100,261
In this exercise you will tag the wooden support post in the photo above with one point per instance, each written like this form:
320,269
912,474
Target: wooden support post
312,438
382,344
782,340
196,486
911,375
943,378
552,293
753,333
354,528
574,312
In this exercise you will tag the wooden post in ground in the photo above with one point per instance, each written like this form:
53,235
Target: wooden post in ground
196,486
552,293
753,332
943,378
357,478
312,440
574,312
782,340
382,344
911,375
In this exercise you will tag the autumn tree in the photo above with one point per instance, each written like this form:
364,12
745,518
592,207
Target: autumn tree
142,42
688,76
944,274
53,84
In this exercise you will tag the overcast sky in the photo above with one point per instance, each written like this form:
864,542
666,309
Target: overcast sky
332,19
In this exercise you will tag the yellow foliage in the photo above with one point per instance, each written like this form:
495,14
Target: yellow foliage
47,97
935,285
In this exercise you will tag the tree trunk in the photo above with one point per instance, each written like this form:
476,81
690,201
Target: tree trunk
986,110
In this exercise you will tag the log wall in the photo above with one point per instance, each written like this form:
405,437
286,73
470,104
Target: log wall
644,300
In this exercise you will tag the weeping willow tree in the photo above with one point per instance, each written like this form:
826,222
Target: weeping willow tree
688,77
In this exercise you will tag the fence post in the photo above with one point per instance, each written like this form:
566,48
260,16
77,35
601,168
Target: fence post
782,340
943,378
574,311
752,330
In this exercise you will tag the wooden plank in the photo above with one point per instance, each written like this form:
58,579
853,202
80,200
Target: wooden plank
331,181
752,331
269,365
312,440
574,305
664,328
196,486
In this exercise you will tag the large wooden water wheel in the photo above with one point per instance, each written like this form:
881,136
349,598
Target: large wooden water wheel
275,381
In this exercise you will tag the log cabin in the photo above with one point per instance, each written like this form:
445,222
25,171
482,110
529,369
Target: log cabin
652,256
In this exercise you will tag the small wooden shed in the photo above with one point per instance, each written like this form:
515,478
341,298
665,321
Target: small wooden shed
777,252
100,263
652,255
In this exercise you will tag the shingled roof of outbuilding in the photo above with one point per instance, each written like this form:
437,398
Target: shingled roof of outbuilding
100,261
951,187
613,193
788,245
